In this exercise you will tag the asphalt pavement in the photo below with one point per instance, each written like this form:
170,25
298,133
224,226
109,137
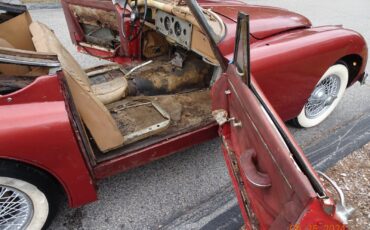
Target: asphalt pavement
175,192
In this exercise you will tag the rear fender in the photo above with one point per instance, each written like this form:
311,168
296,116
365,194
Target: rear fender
35,129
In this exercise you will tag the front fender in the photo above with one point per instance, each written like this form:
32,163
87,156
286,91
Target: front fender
39,133
288,66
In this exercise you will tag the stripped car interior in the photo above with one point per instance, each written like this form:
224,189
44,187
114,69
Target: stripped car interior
126,107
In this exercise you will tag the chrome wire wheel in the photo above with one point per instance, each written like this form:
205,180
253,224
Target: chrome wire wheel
22,205
325,93
16,209
325,97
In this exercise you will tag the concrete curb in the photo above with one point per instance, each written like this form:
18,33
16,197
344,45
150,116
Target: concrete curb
222,212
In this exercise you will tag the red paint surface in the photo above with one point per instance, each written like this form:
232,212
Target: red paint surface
265,21
155,152
287,67
315,218
290,201
35,129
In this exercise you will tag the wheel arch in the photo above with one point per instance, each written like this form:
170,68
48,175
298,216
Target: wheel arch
62,187
354,63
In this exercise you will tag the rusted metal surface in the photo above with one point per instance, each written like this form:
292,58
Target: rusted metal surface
154,44
120,162
253,221
140,118
100,26
95,17
161,77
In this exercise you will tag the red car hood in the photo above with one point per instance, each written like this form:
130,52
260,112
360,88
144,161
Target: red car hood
264,21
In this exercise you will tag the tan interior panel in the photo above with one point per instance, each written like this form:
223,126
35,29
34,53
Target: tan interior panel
96,117
110,91
45,41
17,33
201,45
107,92
93,112
10,69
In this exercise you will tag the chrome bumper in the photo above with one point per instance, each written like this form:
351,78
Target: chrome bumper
342,211
364,78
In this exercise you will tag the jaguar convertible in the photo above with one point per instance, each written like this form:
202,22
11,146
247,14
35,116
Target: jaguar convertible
185,74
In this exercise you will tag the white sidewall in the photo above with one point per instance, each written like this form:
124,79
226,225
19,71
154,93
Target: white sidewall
342,72
39,201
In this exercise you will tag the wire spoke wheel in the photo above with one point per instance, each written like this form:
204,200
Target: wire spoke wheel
323,96
16,209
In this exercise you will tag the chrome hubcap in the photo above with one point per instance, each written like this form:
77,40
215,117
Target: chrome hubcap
16,209
323,96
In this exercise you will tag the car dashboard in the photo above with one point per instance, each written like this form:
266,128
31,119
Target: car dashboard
174,28
180,28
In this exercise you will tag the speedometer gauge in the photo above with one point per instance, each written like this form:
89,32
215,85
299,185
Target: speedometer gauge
178,29
167,23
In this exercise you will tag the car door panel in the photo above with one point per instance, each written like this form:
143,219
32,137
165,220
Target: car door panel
262,158
275,185
86,17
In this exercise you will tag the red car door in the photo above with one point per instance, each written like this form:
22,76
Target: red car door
276,186
89,20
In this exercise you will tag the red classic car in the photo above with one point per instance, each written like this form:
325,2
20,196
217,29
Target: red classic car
62,127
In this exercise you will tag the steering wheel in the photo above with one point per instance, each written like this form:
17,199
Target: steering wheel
134,16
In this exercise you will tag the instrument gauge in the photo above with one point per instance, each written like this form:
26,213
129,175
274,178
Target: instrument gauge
178,29
167,23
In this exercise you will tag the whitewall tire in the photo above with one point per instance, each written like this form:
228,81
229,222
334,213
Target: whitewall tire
22,205
29,197
325,97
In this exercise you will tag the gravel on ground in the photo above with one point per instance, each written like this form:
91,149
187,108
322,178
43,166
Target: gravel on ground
352,174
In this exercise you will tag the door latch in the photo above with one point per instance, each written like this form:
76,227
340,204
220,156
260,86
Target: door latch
234,122
221,117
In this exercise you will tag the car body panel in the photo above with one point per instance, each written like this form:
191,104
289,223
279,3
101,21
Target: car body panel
35,129
154,152
288,66
265,21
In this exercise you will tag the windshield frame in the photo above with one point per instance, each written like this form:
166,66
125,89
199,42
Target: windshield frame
211,36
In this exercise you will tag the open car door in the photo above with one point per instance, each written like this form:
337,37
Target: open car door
276,186
102,29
